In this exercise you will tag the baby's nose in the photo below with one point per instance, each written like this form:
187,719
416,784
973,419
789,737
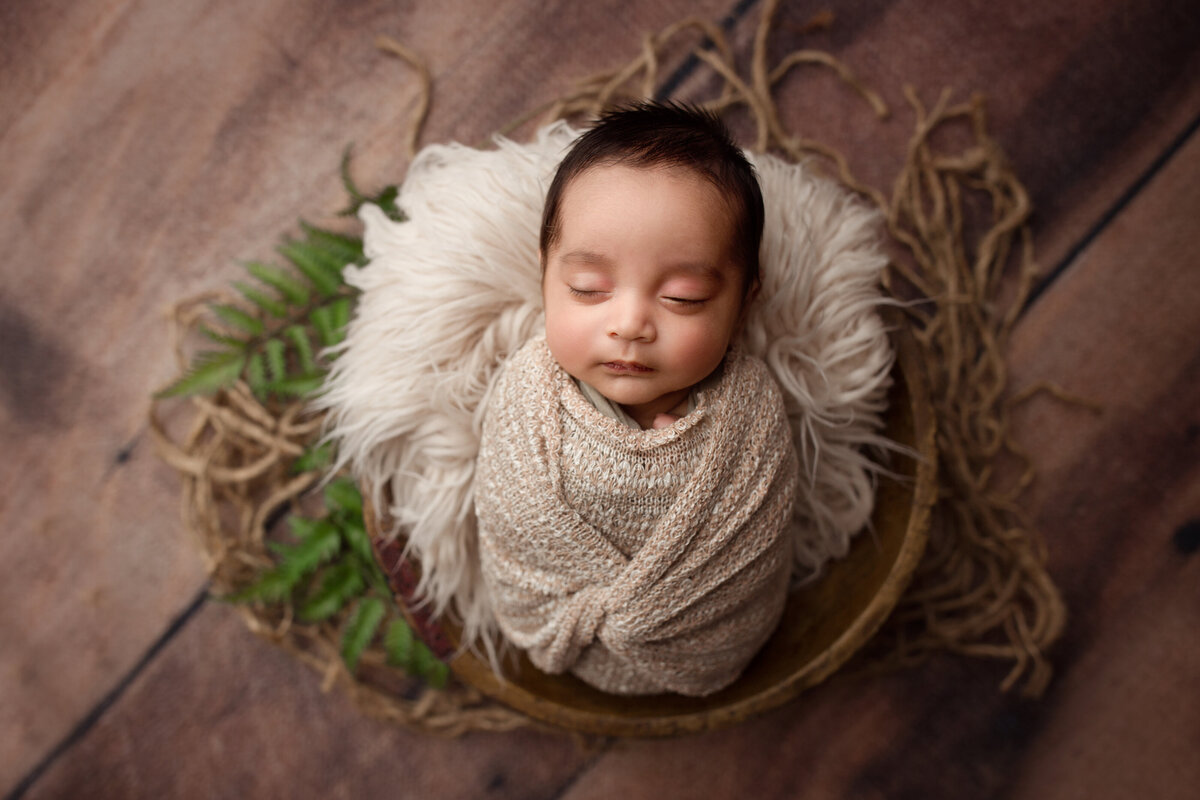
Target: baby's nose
631,320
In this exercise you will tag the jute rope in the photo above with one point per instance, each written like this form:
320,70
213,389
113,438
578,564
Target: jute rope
235,460
982,589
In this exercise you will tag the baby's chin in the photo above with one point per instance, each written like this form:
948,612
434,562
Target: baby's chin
625,392
632,389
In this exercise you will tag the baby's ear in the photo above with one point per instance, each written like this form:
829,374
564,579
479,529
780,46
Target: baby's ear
747,302
751,293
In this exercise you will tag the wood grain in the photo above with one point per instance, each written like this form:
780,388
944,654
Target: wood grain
154,146
1083,96
223,714
147,146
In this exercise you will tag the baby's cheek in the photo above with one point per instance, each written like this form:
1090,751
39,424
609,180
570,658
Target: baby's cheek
703,346
566,340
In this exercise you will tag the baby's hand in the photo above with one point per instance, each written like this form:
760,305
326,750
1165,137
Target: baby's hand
664,420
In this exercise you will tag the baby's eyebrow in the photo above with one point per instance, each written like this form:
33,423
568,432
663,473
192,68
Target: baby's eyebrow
700,270
585,257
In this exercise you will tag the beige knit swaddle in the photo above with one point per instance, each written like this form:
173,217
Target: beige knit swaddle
641,561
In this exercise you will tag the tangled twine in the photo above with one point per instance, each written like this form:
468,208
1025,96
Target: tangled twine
236,462
960,221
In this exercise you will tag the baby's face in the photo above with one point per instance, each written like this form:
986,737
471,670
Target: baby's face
641,290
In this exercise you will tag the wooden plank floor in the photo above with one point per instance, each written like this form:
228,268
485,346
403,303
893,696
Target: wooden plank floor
148,146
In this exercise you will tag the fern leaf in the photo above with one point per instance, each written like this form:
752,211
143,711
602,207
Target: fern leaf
431,668
340,310
304,352
209,372
343,495
360,630
256,375
271,305
340,583
304,527
398,645
354,534
298,386
321,546
219,338
322,320
273,586
318,457
346,249
386,200
279,548
371,571
324,272
348,182
232,315
281,281
276,364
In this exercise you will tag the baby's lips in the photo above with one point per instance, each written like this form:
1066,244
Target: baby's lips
627,366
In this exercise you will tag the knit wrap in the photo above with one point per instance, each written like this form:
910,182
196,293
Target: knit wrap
641,561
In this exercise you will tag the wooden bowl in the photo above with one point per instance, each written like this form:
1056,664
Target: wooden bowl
823,624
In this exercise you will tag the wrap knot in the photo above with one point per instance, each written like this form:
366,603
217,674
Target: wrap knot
586,611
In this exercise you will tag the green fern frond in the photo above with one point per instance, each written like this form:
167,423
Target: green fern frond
322,320
298,336
361,629
318,266
429,667
343,495
346,249
273,586
339,584
304,527
256,375
373,574
220,338
403,649
282,281
276,363
209,372
386,199
293,312
356,197
313,551
314,458
237,318
354,534
340,309
297,386
399,644
271,305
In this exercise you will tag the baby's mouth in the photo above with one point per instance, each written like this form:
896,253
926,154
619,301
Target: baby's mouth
626,367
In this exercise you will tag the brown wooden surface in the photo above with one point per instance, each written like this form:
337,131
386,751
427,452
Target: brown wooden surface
147,146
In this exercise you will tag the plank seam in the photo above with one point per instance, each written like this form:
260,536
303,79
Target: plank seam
684,71
586,767
110,699
1126,197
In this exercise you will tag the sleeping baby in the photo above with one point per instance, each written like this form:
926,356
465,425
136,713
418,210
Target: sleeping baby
636,473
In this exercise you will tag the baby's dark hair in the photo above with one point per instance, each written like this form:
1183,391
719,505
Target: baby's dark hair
650,135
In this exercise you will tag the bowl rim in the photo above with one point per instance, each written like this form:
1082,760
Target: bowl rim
476,671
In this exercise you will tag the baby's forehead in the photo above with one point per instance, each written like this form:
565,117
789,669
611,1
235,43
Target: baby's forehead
685,171
728,205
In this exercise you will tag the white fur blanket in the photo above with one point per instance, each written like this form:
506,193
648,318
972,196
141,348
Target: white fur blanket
451,293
